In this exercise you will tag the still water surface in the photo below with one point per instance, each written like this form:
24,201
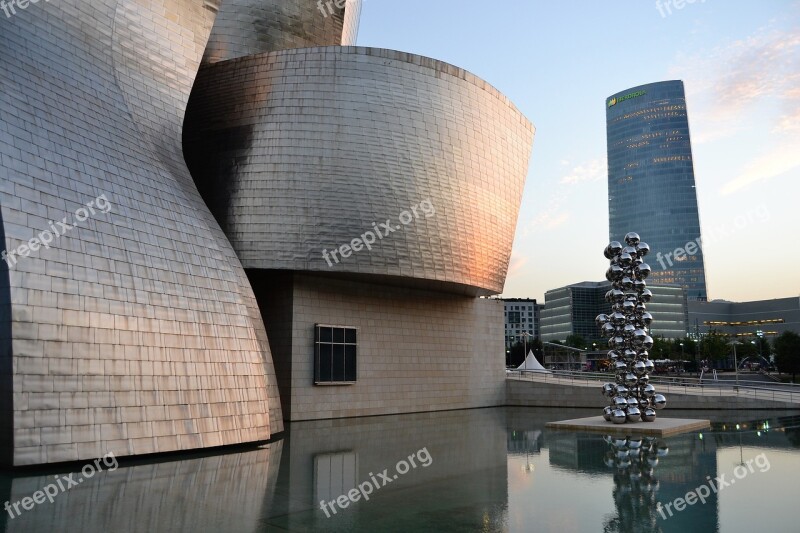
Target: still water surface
485,470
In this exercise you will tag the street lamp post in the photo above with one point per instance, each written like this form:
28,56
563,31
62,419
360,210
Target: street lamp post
681,351
735,363
525,336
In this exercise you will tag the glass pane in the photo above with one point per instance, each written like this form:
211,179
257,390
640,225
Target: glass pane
338,362
350,336
325,334
350,373
338,334
325,364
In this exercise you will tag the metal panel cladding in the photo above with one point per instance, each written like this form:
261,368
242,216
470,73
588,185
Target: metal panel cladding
302,151
651,185
135,330
248,27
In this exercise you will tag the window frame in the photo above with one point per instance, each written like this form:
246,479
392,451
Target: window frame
317,363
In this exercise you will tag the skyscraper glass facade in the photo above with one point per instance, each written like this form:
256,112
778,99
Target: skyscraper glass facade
651,186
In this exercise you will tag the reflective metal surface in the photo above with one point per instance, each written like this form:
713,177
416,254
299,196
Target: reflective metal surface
633,398
299,151
247,27
136,331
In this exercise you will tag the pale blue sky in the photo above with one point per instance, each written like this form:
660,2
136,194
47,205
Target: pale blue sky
558,61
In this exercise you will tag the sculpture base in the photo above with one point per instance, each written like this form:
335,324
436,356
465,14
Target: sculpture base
661,427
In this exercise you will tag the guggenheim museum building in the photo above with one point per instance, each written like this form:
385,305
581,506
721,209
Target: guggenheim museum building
217,216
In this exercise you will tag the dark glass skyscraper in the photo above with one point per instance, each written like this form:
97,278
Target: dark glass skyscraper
651,188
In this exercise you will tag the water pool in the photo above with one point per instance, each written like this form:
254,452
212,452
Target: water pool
476,470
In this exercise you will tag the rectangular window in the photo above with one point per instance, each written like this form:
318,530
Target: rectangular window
335,350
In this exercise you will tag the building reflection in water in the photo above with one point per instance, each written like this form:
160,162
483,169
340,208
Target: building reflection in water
469,484
280,485
213,493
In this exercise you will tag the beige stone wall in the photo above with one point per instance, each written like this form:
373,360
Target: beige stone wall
417,350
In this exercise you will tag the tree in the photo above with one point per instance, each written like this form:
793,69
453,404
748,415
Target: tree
787,353
576,341
661,348
714,346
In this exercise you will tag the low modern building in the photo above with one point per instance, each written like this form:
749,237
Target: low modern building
521,317
572,310
767,318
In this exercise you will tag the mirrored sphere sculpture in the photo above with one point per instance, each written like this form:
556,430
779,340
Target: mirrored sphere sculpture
627,328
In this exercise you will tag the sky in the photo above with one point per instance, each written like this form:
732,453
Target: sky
558,61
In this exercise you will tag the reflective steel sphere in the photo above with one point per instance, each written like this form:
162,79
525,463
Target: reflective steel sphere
634,416
618,416
643,270
659,402
643,249
646,295
607,413
639,369
632,239
649,414
614,248
609,390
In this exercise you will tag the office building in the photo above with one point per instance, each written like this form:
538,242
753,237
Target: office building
651,183
521,317
746,320
572,310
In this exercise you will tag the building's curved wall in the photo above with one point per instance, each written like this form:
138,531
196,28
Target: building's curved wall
247,27
136,331
303,150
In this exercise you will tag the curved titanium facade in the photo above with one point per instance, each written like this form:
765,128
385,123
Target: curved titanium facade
135,331
651,185
301,151
249,27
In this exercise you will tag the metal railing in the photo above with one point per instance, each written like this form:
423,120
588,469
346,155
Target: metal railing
758,390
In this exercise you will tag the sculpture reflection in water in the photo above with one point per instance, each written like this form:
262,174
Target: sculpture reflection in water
635,485
627,327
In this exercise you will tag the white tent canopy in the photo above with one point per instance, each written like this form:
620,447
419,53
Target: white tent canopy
531,363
